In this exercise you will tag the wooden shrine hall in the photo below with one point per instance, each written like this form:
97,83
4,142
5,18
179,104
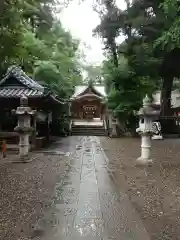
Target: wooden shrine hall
88,102
13,86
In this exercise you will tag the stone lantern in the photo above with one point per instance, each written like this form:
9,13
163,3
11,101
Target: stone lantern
109,120
24,128
146,116
114,124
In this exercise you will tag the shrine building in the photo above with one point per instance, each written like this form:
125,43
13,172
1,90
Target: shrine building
88,102
13,86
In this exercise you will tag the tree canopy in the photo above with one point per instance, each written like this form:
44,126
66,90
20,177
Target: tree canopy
148,58
32,37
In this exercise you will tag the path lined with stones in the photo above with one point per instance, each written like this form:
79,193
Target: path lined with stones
86,204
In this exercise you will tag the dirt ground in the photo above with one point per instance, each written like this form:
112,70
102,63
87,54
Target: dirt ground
25,190
154,191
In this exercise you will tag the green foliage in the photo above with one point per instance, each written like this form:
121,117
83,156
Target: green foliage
170,38
93,72
127,96
33,38
143,61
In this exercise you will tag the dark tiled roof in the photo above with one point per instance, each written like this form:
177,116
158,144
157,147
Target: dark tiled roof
26,81
19,92
28,86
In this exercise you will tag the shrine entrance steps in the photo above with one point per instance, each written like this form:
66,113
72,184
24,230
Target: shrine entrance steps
88,128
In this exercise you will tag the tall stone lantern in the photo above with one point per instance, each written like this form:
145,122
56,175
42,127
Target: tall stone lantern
114,125
24,128
146,117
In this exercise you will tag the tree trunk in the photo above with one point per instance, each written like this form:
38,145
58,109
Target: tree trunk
166,96
168,126
114,53
115,61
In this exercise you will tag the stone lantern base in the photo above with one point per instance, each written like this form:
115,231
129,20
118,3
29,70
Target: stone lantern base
143,161
113,132
145,158
26,159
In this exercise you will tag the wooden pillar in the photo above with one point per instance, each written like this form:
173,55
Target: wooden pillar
48,127
69,109
34,131
102,112
47,130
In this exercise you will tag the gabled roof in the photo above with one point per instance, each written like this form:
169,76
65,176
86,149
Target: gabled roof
20,76
80,89
23,85
88,95
26,85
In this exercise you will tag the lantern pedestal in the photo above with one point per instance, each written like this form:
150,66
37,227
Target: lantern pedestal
23,145
114,131
145,157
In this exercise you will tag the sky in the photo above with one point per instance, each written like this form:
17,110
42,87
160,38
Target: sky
80,20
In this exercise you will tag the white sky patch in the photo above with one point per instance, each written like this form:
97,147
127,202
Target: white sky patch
80,20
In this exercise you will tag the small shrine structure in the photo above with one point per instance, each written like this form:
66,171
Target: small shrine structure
17,84
88,102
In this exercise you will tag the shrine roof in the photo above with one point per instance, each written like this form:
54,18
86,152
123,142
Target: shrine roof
16,84
18,74
80,89
88,95
19,92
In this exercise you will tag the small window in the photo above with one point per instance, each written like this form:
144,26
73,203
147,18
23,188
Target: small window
142,120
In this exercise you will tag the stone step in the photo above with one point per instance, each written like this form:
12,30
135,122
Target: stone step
88,134
88,131
87,127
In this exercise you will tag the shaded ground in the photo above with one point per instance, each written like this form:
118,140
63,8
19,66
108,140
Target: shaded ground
153,191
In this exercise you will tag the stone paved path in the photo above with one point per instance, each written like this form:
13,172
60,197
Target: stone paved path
86,204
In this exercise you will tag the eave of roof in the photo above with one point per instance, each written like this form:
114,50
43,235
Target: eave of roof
19,92
87,95
26,81
80,89
57,100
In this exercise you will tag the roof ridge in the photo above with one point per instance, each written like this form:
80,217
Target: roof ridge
20,75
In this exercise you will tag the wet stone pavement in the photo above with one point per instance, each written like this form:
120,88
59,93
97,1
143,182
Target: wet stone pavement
86,204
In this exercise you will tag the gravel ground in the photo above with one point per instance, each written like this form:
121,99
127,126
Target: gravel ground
26,189
154,191
25,193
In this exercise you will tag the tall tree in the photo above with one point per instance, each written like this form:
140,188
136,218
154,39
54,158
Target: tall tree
149,29
32,37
